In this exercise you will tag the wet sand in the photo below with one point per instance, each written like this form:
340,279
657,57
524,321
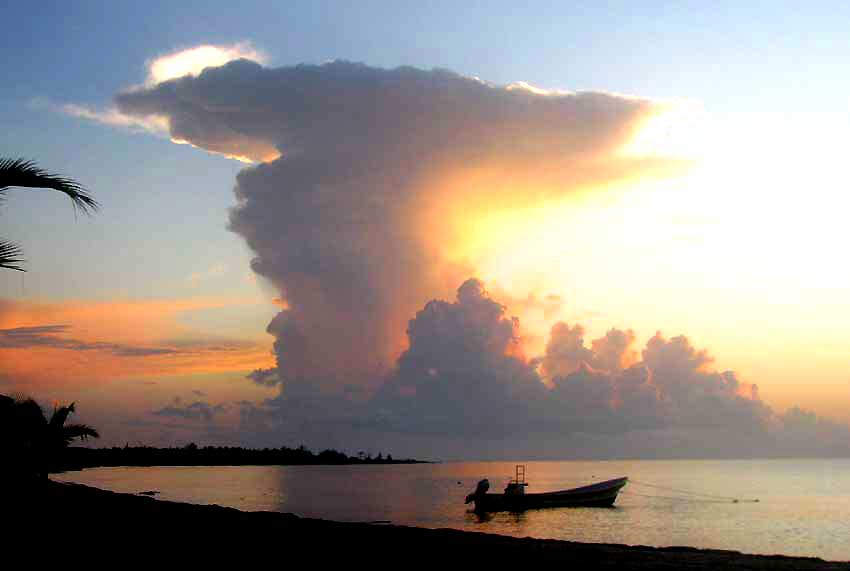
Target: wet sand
100,526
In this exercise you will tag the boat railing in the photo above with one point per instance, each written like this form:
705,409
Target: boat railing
518,484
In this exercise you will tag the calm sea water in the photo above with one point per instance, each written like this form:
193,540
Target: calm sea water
803,508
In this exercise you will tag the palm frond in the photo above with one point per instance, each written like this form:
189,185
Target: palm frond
29,411
81,431
60,415
25,173
10,256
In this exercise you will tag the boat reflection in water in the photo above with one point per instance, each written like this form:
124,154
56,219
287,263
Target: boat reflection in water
602,494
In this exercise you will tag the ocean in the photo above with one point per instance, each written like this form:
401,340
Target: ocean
803,505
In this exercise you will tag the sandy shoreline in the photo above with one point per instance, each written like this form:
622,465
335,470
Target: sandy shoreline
131,521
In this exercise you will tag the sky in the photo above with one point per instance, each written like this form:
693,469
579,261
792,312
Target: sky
546,230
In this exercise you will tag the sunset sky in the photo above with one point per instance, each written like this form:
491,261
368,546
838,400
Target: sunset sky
654,191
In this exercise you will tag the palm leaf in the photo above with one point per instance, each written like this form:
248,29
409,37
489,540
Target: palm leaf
10,256
30,411
24,173
60,415
81,431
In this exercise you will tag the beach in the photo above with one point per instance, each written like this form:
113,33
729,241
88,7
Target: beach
77,515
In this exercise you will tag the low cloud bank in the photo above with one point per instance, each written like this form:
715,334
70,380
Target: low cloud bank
465,377
197,410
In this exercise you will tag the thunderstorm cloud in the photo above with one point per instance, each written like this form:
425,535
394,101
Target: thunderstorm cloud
366,180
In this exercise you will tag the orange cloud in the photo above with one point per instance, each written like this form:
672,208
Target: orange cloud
115,320
79,343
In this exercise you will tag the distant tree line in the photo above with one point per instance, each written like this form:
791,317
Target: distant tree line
33,444
77,458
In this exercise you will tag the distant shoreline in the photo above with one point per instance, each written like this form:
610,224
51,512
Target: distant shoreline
135,521
79,458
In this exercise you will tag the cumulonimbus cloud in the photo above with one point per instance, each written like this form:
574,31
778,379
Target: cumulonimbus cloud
378,171
367,180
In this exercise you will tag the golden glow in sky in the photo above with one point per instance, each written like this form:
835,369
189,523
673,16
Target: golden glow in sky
193,61
743,253
181,63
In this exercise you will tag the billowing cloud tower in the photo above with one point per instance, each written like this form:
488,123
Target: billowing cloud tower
358,211
379,170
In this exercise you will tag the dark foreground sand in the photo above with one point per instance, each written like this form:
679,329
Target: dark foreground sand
93,528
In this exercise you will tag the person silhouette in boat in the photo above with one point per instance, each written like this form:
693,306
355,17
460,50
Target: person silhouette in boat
480,489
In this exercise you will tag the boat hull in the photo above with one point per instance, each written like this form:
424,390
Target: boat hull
600,495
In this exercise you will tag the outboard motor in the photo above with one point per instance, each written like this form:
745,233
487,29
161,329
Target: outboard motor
480,489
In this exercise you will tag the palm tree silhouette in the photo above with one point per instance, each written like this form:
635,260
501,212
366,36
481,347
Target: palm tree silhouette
37,442
26,174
